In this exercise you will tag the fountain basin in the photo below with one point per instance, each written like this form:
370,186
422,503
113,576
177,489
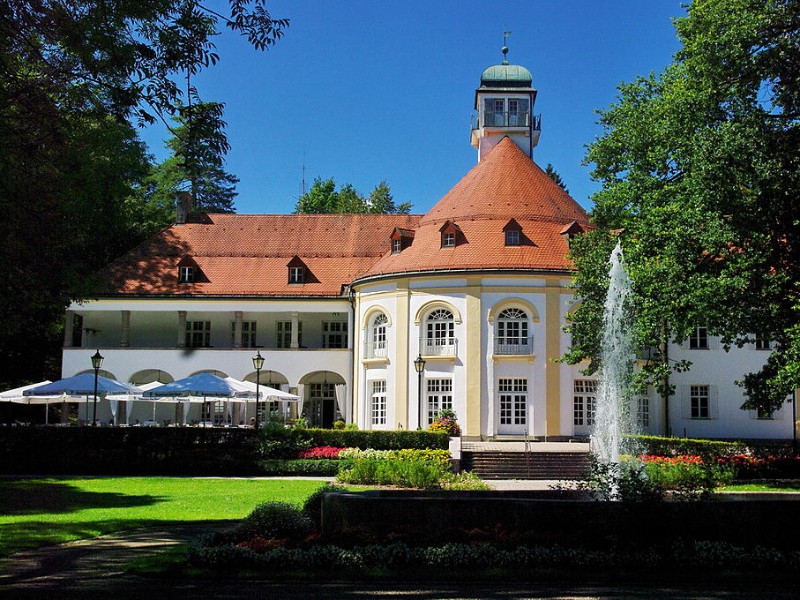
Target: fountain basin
566,518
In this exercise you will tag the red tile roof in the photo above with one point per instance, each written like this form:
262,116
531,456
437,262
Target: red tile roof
249,255
243,255
505,185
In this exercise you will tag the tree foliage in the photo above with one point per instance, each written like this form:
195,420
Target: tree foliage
551,172
198,145
75,78
700,173
323,198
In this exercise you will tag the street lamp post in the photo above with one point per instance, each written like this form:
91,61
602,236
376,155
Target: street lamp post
258,363
419,367
97,361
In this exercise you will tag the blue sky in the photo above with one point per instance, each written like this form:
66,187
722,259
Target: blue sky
371,90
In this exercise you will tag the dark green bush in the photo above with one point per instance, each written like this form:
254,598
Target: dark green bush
275,440
673,446
377,440
274,520
313,504
300,466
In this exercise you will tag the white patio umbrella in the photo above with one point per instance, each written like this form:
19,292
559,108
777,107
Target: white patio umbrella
265,393
114,399
16,395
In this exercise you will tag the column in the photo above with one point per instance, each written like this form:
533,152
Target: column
181,329
125,338
295,333
552,352
474,351
237,329
68,325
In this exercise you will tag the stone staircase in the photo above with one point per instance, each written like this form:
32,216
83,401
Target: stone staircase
494,464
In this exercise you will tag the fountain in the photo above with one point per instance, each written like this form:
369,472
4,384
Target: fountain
614,416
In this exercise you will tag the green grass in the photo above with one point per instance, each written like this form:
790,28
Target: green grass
770,486
36,512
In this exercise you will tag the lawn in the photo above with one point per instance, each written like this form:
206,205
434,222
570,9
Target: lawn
35,512
778,485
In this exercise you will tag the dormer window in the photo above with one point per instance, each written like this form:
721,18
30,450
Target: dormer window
512,237
569,232
297,275
451,235
186,274
401,239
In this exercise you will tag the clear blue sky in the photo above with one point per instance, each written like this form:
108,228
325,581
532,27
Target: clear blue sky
371,90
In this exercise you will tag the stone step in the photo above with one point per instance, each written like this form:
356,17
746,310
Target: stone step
521,465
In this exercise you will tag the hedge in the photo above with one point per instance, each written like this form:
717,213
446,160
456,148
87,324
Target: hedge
300,466
377,440
675,446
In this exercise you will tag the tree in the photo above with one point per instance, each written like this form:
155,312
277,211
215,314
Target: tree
74,79
323,198
551,172
700,172
198,146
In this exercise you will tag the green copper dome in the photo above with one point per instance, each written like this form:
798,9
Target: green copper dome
506,75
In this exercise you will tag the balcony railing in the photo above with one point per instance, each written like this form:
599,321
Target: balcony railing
438,346
508,119
373,349
513,346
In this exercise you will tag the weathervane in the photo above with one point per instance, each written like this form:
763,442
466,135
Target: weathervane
505,47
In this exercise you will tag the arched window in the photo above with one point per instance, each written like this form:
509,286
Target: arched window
439,333
512,332
377,339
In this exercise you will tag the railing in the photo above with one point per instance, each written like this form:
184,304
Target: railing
514,346
508,119
373,349
438,346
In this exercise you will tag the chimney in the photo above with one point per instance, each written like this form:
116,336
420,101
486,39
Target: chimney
183,206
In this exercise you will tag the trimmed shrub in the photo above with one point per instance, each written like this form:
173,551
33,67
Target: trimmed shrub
274,520
300,466
320,452
392,471
379,440
672,446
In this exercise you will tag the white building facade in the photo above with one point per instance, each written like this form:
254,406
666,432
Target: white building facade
383,320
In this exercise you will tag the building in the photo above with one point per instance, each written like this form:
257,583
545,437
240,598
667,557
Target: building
382,320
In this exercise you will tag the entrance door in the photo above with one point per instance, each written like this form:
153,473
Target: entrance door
513,402
321,407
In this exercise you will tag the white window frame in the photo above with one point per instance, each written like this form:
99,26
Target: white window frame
584,402
438,396
513,237
186,274
297,275
248,334
334,334
397,246
377,336
283,334
198,334
512,331
513,395
698,339
378,403
449,239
